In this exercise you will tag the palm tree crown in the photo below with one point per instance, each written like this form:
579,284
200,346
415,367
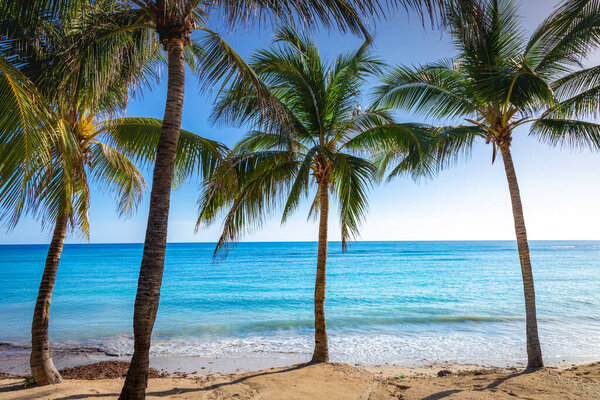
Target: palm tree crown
273,164
499,80
78,77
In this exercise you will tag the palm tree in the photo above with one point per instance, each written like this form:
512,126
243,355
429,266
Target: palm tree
100,150
498,82
63,196
66,89
79,75
273,164
58,192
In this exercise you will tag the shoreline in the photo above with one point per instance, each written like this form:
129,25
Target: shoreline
15,361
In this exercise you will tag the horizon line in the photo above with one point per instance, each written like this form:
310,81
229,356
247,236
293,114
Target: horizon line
315,241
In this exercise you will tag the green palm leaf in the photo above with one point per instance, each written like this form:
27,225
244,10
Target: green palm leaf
568,133
300,187
565,38
436,91
115,171
25,140
137,138
351,181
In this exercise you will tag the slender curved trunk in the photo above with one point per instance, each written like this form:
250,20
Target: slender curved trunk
43,370
151,270
534,350
321,352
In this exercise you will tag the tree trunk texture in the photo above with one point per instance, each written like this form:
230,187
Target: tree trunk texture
534,350
321,352
43,370
151,270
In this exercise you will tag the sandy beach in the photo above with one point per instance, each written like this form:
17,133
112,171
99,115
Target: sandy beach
342,381
375,199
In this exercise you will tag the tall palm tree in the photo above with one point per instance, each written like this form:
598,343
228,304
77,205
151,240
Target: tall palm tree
499,81
273,164
80,76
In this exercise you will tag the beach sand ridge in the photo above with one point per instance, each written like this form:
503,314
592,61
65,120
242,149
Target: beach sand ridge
341,381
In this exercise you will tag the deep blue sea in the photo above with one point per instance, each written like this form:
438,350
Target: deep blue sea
397,302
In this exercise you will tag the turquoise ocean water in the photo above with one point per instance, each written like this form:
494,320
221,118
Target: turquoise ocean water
398,302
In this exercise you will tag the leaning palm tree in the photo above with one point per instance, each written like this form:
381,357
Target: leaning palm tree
92,152
48,176
51,149
498,82
58,193
272,166
102,152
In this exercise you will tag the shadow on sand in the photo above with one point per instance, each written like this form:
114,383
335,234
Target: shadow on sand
173,391
493,385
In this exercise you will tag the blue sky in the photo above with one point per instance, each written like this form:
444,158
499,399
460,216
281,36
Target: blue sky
470,201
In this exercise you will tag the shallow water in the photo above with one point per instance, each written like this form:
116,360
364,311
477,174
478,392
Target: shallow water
397,302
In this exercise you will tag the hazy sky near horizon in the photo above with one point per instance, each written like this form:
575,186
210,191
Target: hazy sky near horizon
560,187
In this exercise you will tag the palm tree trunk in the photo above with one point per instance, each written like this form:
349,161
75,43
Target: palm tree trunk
534,351
151,270
321,352
43,370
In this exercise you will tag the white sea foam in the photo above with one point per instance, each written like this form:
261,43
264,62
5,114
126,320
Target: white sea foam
401,349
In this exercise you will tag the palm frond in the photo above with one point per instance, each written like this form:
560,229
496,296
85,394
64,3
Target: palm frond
30,12
260,141
565,38
236,171
114,171
528,91
61,187
408,146
451,143
487,34
567,133
26,139
218,63
257,197
435,91
579,93
339,13
108,53
300,187
137,138
80,205
352,177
